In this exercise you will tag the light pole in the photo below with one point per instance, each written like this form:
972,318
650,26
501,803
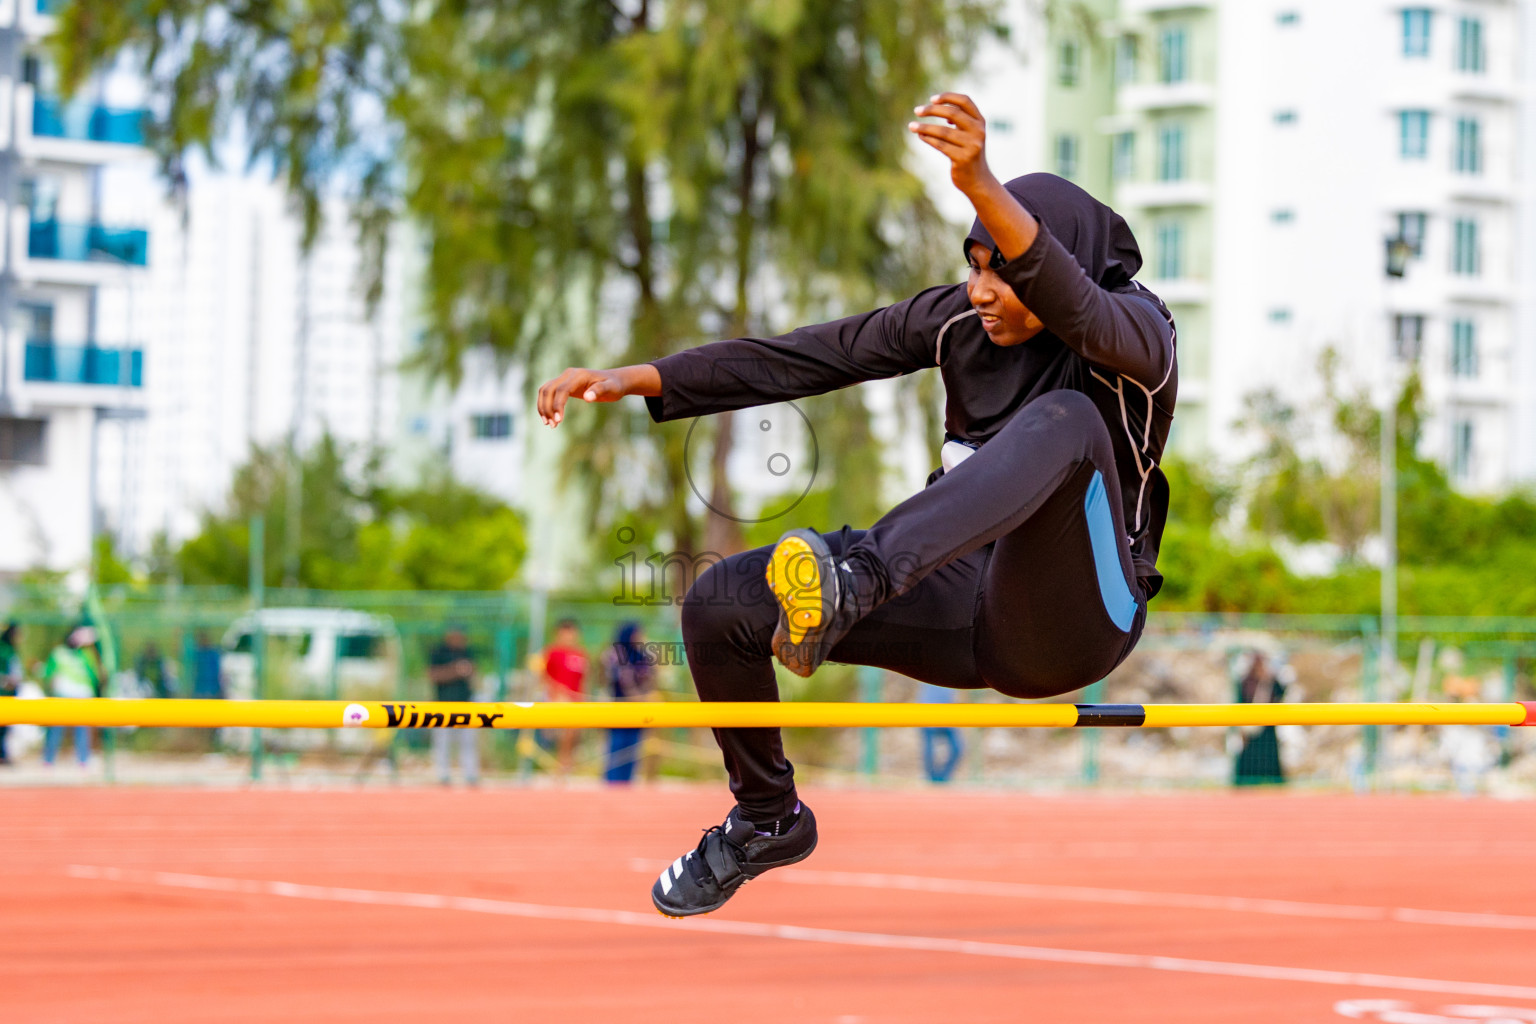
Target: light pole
292,541
1388,670
1399,251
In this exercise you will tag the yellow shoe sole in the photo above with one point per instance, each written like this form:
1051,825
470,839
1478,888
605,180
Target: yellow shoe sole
794,575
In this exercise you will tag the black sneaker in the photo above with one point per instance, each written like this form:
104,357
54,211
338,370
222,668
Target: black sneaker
816,606
728,856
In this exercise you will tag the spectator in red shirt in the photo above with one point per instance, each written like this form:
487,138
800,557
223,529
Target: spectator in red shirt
565,669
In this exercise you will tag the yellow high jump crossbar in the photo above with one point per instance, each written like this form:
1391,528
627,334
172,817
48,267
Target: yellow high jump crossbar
334,714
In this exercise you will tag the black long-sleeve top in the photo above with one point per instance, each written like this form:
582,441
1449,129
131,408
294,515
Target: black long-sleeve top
1116,347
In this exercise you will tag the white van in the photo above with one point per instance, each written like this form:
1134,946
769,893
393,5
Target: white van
313,654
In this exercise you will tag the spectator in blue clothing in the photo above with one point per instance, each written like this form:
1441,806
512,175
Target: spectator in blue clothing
207,669
207,676
935,736
631,676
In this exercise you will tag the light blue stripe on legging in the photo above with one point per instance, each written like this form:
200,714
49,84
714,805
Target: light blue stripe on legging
1118,601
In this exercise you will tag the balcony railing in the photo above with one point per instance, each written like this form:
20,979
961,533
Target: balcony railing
87,122
83,364
51,240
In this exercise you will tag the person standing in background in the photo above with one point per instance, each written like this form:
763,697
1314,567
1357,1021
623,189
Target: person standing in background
207,676
565,671
10,677
452,671
156,671
1258,760
207,669
73,672
933,736
631,676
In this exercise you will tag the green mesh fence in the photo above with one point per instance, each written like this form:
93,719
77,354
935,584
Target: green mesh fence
376,644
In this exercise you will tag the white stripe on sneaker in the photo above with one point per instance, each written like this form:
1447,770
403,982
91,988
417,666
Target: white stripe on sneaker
666,883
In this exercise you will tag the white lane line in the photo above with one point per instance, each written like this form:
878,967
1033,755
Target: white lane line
1081,894
1463,920
796,933
1141,898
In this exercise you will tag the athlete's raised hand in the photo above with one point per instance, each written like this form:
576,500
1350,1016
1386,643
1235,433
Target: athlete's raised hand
594,386
963,139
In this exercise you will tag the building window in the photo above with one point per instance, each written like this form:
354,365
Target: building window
1066,155
1125,60
1170,250
1280,315
1407,336
1283,215
40,196
1466,260
494,426
1170,152
1069,63
1413,134
1285,117
1410,228
1287,18
1470,55
1461,449
1125,156
1416,32
1463,348
22,441
1469,149
36,320
1173,55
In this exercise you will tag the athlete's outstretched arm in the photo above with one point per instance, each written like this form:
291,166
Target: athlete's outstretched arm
594,386
1122,331
744,372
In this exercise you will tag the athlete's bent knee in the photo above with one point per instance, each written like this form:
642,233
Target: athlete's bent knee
710,605
1071,406
726,600
1070,414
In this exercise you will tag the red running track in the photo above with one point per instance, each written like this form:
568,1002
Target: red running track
421,905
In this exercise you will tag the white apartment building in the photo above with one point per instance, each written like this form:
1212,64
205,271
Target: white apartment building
253,342
1265,153
72,368
234,336
479,430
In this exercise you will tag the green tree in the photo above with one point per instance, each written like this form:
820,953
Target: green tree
599,181
1331,489
445,535
335,507
356,535
1459,553
107,566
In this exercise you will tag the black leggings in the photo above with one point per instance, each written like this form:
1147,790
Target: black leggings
1011,571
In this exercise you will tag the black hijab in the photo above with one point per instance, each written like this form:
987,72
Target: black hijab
1097,236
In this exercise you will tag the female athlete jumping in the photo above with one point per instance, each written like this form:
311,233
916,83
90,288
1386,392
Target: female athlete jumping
1026,563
